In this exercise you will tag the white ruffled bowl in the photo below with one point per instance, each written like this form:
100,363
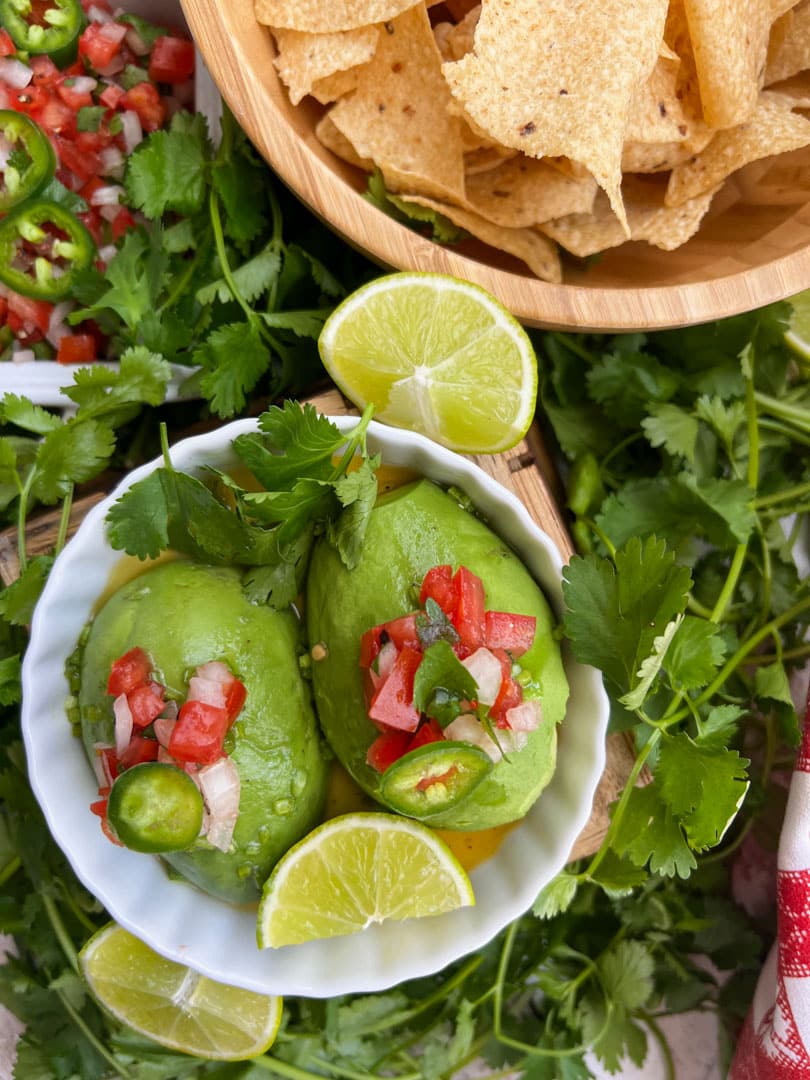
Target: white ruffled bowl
219,940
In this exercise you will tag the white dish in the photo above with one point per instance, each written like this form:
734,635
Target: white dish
216,939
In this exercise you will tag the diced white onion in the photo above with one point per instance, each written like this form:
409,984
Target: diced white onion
99,15
57,327
109,195
208,691
15,73
163,727
115,65
386,659
123,723
113,31
83,84
101,766
466,728
136,42
219,784
131,129
485,668
512,741
107,253
526,716
22,356
112,161
164,757
216,671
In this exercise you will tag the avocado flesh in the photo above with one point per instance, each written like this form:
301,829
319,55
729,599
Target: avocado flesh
184,614
410,530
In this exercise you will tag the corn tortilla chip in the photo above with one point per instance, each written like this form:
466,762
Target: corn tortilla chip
484,158
662,226
640,157
657,114
773,129
336,141
531,92
304,59
797,88
315,17
524,191
531,247
789,46
398,116
730,43
459,8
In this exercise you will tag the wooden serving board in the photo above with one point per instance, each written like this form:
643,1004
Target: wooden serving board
526,470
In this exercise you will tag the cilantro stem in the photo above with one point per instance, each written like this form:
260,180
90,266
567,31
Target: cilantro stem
793,414
183,279
443,991
358,437
781,496
294,1072
10,869
730,584
789,433
59,929
22,514
660,1038
219,240
620,446
64,521
97,1045
351,1074
571,343
785,654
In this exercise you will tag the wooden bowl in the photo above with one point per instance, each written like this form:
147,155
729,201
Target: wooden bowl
753,249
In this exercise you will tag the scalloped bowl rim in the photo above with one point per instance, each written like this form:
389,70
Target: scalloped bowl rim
217,939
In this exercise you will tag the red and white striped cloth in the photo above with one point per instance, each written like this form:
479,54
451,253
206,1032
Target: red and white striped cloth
775,1041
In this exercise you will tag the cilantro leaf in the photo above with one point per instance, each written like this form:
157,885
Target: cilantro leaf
18,599
719,727
696,652
555,897
615,612
357,492
651,666
441,670
648,831
252,278
142,376
295,509
628,383
293,441
234,358
129,287
23,413
673,428
434,625
71,454
167,172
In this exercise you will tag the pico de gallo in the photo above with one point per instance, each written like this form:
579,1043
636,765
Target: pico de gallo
151,727
81,84
445,689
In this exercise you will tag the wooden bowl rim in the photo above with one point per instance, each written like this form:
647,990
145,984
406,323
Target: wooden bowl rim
534,302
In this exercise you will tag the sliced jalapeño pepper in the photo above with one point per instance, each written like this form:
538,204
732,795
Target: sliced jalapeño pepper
155,807
31,159
43,247
426,781
44,26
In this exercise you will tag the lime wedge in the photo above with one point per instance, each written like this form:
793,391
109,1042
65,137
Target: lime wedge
174,1005
356,870
798,334
437,355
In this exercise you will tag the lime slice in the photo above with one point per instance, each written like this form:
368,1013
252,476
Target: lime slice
798,335
356,870
174,1005
436,355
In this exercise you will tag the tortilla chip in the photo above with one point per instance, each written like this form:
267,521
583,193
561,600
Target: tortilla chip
459,8
334,140
662,226
524,191
797,88
657,114
333,87
783,180
461,37
398,116
531,247
773,129
730,43
640,157
305,59
315,17
789,46
530,90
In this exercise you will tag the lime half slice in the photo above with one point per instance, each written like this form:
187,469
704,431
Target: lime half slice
357,870
174,1005
437,355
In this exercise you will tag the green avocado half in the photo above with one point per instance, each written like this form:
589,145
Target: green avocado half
184,614
410,530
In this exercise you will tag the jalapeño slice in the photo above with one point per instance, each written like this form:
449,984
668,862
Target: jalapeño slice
434,777
52,27
31,160
43,247
155,807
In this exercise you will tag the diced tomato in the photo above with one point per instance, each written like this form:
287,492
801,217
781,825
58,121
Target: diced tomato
93,141
46,73
29,100
235,697
99,807
505,630
468,618
199,733
401,631
511,694
392,705
111,95
140,749
438,585
129,672
3,310
110,760
145,100
146,703
387,748
83,163
122,223
429,731
172,60
107,830
7,46
98,47
72,98
94,223
76,349
57,118
36,312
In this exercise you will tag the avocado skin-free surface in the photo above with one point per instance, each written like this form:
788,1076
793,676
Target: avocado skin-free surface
412,529
184,614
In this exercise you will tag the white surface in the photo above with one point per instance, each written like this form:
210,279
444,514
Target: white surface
219,940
